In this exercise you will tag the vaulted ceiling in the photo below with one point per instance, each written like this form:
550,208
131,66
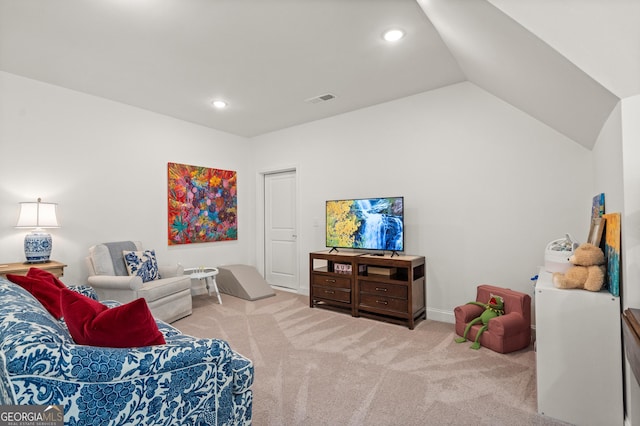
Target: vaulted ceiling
565,62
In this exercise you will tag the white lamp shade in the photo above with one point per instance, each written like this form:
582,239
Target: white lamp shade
37,215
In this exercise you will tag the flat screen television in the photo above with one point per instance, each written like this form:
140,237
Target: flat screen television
366,224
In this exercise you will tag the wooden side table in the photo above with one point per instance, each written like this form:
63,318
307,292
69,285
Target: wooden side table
56,268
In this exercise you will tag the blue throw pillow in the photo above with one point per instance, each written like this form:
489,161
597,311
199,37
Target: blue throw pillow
142,264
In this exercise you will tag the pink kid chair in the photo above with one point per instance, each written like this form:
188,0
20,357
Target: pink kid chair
506,333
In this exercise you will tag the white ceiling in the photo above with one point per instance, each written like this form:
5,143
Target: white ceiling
266,57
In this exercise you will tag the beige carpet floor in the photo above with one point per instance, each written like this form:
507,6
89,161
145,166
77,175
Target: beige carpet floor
318,367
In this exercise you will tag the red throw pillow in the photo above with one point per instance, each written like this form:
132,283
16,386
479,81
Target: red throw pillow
46,276
94,324
44,286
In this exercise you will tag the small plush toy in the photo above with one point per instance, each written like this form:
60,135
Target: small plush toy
587,270
493,309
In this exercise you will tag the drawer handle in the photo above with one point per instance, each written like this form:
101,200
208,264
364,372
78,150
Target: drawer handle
381,289
382,302
330,281
330,291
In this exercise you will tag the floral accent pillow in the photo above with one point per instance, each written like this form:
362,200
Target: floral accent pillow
142,264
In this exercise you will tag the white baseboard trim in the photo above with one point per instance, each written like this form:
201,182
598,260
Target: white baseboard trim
287,289
441,315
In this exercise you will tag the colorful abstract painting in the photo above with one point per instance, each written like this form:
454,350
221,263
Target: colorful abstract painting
203,204
612,252
597,208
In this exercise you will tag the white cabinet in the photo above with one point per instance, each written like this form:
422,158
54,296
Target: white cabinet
579,354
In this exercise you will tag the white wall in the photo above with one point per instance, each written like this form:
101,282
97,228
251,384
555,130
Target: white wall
631,233
610,178
631,168
607,154
486,187
105,163
617,174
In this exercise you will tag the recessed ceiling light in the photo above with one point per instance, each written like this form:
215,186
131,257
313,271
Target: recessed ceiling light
219,104
393,35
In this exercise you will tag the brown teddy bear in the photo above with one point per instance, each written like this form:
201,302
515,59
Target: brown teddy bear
587,271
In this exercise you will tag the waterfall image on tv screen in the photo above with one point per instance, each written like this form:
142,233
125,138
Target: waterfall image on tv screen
367,223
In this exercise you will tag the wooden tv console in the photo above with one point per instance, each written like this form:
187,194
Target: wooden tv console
386,288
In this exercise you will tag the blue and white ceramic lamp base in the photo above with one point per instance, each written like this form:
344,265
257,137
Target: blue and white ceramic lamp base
37,247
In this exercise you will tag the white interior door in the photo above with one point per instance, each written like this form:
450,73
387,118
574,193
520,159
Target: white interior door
281,247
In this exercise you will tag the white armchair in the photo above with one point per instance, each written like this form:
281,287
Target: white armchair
168,297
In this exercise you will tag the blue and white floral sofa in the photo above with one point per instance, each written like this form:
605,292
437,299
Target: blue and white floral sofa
187,381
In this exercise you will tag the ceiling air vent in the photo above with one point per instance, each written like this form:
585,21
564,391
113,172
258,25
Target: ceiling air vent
321,98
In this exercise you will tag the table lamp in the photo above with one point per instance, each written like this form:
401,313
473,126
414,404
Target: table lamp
38,215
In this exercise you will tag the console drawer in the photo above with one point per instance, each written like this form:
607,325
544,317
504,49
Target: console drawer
331,281
383,303
331,293
389,290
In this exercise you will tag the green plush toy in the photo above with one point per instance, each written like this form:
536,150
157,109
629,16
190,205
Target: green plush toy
493,309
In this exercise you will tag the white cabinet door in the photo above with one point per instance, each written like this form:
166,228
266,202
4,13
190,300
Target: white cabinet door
579,355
